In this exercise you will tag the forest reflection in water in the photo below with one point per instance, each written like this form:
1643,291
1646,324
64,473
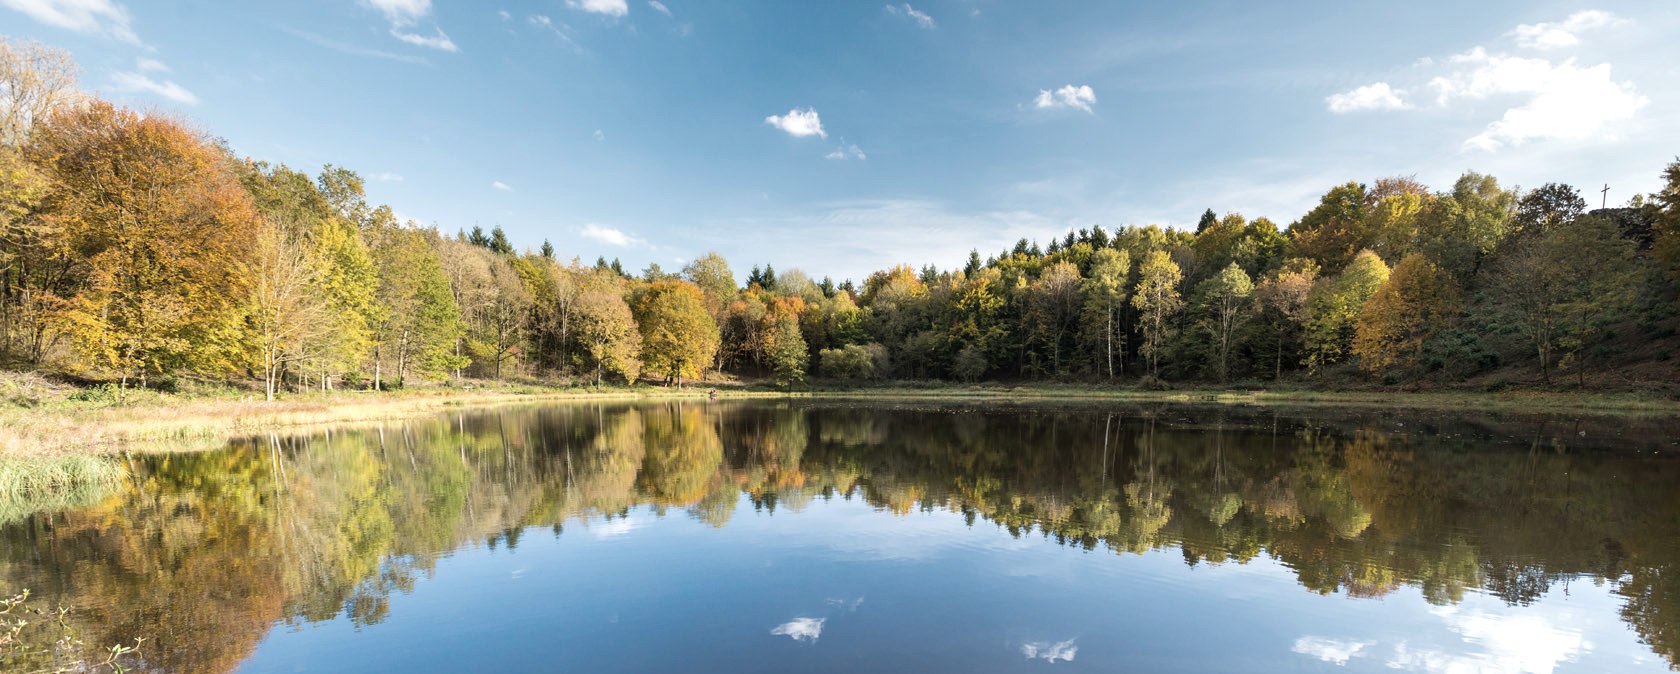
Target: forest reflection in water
202,554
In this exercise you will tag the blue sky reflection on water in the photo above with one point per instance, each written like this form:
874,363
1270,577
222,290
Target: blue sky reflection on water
842,586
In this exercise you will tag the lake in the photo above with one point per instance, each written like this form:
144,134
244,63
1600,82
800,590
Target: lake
852,536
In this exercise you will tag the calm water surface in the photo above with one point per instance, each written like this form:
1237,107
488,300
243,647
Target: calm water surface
735,537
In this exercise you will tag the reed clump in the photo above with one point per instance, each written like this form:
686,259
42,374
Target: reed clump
30,485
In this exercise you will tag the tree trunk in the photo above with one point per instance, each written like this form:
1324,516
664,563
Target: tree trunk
1109,334
1279,373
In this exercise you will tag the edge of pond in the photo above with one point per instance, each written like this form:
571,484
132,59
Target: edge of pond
191,425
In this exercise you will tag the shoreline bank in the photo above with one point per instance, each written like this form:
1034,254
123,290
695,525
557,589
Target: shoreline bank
192,423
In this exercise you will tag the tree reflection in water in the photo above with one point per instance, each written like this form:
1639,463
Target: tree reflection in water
203,553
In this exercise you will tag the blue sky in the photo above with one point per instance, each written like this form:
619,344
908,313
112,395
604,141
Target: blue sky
655,131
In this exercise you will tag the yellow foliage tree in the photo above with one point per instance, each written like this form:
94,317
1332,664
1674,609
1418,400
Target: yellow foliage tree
679,337
166,231
1416,302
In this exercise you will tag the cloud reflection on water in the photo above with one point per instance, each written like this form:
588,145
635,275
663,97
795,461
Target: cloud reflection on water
1050,652
800,629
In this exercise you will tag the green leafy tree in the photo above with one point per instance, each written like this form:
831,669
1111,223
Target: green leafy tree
1284,297
1334,307
788,353
1667,244
1157,299
1104,289
421,324
1562,284
1052,313
1227,302
1333,232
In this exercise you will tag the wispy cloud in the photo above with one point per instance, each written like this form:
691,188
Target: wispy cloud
497,184
95,17
1377,96
1552,35
352,49
438,41
798,123
611,236
659,7
883,231
137,82
607,7
560,30
920,17
151,65
385,177
1082,97
800,629
846,151
599,135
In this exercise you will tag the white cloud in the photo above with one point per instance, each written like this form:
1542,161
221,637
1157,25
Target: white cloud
1378,96
611,236
659,7
600,135
504,14
1518,644
1050,652
1069,96
440,41
497,184
404,14
146,64
99,17
607,7
846,151
800,629
140,83
920,17
1330,650
402,11
1565,101
1563,33
798,123
386,177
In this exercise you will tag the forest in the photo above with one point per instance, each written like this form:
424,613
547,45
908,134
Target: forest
138,250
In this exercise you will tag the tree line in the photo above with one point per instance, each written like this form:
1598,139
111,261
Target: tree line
138,249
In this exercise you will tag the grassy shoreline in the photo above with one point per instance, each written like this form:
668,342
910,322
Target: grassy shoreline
1504,401
200,422
190,423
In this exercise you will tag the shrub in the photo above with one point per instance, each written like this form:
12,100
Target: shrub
852,361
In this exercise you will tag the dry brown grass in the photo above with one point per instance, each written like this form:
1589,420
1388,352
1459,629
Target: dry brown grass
192,424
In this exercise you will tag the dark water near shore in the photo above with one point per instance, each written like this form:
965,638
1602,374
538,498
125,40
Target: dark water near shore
825,536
